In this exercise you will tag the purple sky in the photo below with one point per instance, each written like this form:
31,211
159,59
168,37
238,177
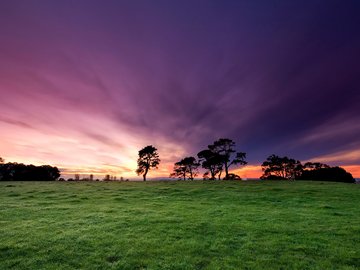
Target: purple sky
85,84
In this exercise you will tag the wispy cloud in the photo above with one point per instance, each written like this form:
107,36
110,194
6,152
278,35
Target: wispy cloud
280,79
344,157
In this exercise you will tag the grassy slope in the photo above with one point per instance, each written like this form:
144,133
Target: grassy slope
179,225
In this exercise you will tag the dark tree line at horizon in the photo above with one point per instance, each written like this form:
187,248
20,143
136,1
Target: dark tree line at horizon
13,171
284,168
221,155
216,159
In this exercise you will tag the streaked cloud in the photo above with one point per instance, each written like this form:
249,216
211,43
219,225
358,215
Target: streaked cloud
84,85
344,157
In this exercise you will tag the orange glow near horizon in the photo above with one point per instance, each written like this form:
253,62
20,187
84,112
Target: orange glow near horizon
248,171
254,171
353,169
88,101
86,150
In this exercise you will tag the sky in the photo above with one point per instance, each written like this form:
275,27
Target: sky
84,85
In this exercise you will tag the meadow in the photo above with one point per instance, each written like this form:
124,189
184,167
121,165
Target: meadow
179,225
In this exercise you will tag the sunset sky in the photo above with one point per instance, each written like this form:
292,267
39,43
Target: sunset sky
85,84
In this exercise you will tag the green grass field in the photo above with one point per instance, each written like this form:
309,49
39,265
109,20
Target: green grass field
179,225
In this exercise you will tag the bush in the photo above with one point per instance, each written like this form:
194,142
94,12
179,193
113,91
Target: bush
333,174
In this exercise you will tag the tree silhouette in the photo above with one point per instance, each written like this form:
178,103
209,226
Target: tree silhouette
22,172
1,168
314,166
276,167
49,172
212,162
327,173
148,158
186,168
226,148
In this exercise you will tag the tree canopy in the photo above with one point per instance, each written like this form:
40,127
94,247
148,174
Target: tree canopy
314,166
332,174
276,168
226,149
21,172
148,159
186,168
212,162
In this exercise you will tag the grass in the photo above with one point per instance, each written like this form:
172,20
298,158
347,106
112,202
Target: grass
179,225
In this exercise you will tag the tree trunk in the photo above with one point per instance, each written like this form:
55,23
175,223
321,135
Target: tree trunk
144,176
212,174
226,171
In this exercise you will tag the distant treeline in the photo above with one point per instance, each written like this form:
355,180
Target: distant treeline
21,172
284,168
219,156
216,159
107,177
